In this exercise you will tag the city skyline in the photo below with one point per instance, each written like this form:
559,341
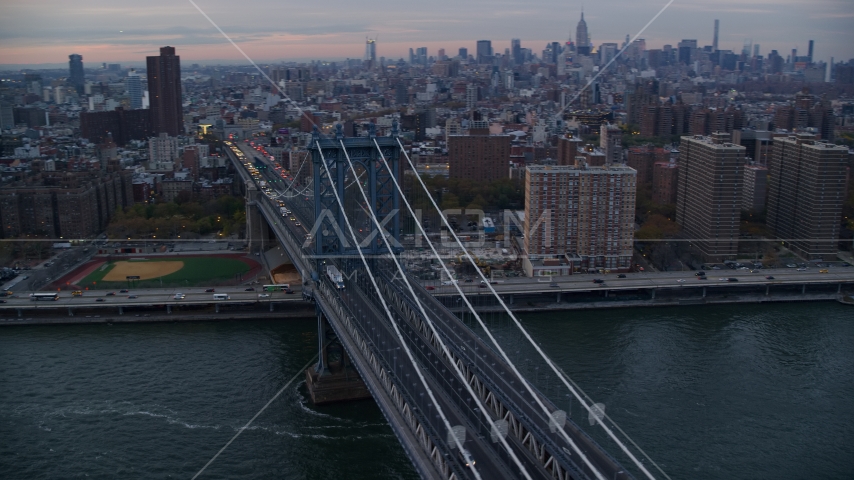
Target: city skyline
101,32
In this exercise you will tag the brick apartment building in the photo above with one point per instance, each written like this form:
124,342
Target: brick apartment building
708,202
479,157
806,189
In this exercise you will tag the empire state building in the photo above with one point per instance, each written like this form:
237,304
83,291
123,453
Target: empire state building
582,40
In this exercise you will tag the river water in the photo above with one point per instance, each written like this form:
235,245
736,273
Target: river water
709,392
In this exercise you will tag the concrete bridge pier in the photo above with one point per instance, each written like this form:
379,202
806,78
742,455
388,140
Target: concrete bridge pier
216,307
557,300
271,306
20,313
70,313
704,292
332,382
839,289
804,289
653,294
121,310
767,290
168,308
510,299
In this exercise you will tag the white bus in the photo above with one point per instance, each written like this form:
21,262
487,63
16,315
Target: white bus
44,296
221,296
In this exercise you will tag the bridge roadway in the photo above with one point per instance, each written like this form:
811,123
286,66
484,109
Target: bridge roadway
661,280
148,297
354,315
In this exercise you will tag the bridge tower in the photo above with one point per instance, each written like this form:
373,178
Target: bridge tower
332,237
333,244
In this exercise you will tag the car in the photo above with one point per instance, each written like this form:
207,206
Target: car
598,280
699,274
791,265
209,290
681,280
802,269
482,285
250,289
722,279
2,301
703,278
179,296
263,295
823,270
99,299
430,287
288,291
293,219
111,294
731,279
468,280
123,290
769,277
622,275
133,296
554,285
297,224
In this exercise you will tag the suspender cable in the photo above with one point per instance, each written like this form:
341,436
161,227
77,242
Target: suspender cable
391,317
571,386
444,347
506,357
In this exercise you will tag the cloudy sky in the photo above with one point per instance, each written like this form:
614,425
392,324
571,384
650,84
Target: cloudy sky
47,31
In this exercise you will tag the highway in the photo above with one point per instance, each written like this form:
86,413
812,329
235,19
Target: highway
153,296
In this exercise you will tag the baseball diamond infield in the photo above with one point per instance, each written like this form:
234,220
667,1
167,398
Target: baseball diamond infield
144,270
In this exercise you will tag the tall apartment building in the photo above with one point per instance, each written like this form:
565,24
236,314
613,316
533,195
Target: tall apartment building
479,157
610,141
584,214
133,85
162,148
708,199
755,188
806,189
665,182
567,149
63,205
164,89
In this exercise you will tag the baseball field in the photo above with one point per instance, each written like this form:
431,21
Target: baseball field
168,272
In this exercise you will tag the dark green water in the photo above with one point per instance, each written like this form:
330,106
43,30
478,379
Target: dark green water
708,392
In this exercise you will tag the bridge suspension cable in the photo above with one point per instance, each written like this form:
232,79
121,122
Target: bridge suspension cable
595,412
482,324
444,347
397,332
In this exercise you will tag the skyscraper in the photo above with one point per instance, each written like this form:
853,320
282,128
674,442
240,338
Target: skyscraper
809,54
164,90
708,202
133,85
371,52
582,39
516,51
76,77
715,39
464,53
484,51
806,189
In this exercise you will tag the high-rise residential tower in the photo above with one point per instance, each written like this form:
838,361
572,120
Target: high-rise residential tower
164,91
133,85
715,39
76,77
371,51
708,201
806,190
583,214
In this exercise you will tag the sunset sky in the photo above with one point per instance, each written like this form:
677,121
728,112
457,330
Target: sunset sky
47,31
